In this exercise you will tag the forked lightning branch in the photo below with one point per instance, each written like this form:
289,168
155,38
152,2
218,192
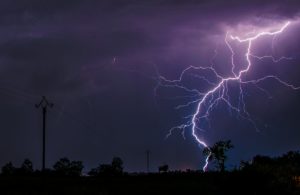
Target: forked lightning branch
206,101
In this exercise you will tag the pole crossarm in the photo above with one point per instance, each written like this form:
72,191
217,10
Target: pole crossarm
44,103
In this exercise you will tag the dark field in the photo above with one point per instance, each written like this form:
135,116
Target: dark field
166,183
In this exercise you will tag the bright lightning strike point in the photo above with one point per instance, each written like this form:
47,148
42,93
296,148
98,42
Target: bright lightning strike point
206,101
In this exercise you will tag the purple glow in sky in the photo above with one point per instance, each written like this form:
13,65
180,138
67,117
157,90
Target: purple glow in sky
100,62
205,102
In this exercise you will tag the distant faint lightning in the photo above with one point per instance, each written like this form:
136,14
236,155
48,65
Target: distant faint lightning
114,60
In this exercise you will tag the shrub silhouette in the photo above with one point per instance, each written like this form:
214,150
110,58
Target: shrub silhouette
8,169
26,167
65,167
163,169
113,169
117,165
283,167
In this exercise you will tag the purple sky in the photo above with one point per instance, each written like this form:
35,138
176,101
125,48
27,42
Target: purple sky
98,62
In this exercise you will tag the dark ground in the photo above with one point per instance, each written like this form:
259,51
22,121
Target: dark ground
167,183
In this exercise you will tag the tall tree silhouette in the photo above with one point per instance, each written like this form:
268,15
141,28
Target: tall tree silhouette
217,153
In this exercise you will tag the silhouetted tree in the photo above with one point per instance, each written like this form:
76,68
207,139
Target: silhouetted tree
261,164
75,168
8,169
291,160
285,166
117,165
115,168
94,171
106,169
62,165
217,153
163,169
244,164
65,167
26,167
258,159
103,170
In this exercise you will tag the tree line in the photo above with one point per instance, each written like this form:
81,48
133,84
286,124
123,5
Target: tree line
64,167
284,167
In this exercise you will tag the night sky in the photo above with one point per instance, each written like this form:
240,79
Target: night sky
99,62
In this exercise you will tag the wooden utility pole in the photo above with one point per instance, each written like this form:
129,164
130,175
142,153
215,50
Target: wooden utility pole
44,104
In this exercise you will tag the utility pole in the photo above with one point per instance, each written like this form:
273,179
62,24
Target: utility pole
148,159
44,104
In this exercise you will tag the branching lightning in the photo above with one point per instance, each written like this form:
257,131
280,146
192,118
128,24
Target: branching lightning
206,100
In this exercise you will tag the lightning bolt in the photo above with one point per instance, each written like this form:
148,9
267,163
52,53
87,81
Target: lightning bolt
206,100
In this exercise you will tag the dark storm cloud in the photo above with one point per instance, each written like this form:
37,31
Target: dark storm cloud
66,50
